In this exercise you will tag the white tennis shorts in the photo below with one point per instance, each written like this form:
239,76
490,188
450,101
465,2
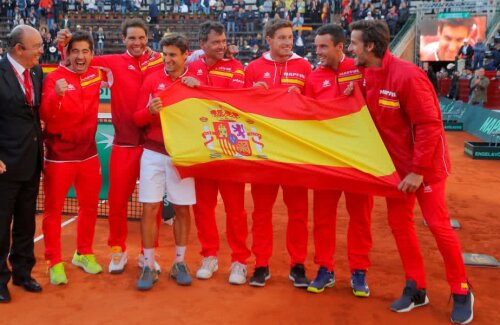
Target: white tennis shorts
159,176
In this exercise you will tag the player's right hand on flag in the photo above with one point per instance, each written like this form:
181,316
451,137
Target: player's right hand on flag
260,84
3,168
61,86
411,183
155,105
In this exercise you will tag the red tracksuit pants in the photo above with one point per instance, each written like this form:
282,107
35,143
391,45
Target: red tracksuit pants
233,195
431,199
359,238
295,199
58,178
124,169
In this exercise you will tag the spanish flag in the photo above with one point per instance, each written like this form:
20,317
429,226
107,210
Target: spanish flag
257,135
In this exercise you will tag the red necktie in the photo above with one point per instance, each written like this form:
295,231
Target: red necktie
28,87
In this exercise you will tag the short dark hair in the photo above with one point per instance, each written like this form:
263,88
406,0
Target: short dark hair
81,36
335,31
178,40
274,24
209,26
455,23
373,31
134,22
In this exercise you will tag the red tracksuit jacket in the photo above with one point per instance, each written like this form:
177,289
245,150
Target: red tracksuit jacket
153,134
226,73
326,83
125,75
406,112
71,120
292,72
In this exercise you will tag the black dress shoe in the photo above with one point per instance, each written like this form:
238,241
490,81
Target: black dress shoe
4,294
28,284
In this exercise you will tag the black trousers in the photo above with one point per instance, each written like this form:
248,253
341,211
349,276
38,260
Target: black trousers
17,212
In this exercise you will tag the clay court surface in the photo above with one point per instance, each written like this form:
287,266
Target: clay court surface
473,198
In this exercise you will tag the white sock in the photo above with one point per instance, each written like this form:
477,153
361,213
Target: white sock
149,257
180,251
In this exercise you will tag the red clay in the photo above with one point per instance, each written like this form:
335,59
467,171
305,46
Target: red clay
473,198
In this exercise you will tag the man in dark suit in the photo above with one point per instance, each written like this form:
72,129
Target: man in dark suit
466,52
21,156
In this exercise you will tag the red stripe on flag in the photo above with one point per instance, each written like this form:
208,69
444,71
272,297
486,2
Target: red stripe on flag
310,176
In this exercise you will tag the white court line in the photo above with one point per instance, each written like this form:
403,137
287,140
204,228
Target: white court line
65,223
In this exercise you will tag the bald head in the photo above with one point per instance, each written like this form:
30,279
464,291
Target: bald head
25,45
17,34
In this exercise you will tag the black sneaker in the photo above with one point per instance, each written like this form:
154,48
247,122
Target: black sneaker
463,311
298,276
410,299
260,276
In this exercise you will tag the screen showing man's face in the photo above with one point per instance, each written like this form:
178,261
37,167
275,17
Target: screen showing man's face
451,39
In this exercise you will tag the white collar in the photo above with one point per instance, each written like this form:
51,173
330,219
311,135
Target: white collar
19,68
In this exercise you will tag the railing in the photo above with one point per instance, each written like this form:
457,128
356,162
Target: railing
402,33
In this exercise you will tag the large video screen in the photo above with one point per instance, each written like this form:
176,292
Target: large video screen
441,39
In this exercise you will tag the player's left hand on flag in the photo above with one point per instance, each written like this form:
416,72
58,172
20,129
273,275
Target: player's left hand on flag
155,105
411,183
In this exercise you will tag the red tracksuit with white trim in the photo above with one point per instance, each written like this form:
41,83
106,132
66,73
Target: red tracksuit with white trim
292,72
125,76
407,114
226,73
71,156
325,83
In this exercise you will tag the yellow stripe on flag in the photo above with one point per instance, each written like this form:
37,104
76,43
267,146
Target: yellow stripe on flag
352,140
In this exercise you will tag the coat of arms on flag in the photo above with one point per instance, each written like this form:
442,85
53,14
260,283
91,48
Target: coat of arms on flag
232,135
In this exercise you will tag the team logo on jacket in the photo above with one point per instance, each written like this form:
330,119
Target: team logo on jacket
199,72
267,75
71,87
326,83
162,86
131,67
388,99
235,137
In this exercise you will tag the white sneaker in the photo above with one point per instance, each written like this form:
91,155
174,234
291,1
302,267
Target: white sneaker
140,263
208,266
238,273
118,261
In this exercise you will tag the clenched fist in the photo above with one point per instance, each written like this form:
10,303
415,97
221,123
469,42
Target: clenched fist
61,87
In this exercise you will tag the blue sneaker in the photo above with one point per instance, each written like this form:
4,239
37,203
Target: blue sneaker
180,273
358,284
463,308
147,278
324,279
411,298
